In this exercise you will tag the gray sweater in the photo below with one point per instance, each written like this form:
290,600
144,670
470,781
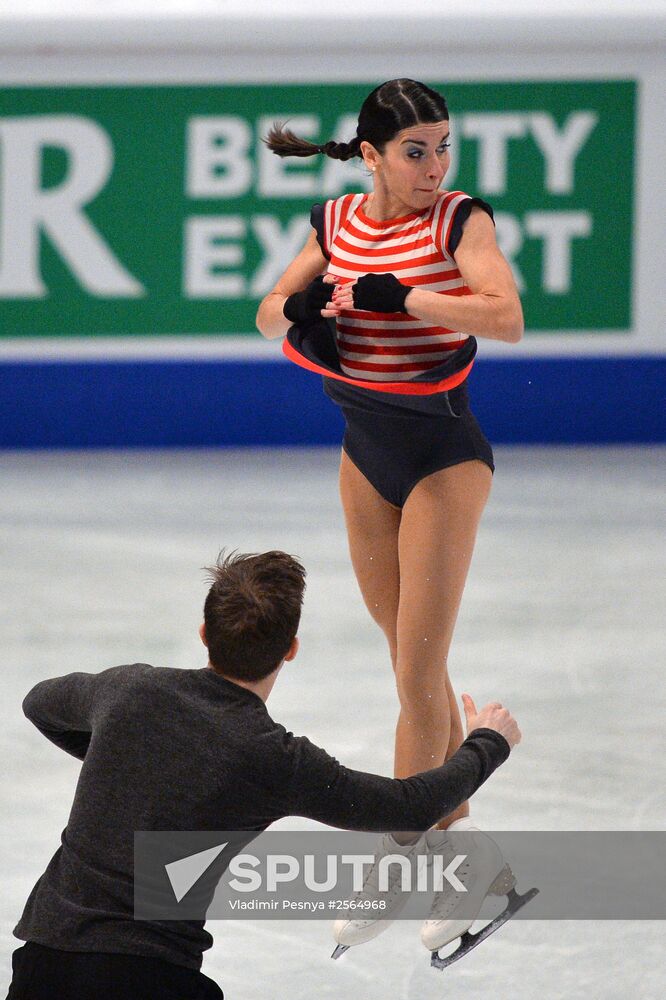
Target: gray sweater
172,749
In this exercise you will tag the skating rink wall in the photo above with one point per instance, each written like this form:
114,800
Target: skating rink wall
142,220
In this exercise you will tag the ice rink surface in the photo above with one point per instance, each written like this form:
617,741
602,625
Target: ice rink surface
562,620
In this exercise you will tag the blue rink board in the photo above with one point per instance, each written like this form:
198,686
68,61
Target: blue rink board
94,404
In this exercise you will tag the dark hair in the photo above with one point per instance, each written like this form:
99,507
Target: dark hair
390,108
252,612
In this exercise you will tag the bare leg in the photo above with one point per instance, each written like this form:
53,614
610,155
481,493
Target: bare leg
411,566
372,532
436,541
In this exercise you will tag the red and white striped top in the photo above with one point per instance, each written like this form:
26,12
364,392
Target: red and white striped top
393,346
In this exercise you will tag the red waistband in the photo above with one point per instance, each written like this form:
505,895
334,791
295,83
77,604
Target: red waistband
404,388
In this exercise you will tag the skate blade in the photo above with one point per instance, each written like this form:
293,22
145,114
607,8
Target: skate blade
469,941
340,950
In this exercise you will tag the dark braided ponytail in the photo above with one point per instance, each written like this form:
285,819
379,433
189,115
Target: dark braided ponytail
390,108
283,142
342,150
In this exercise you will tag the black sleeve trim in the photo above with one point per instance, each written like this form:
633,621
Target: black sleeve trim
317,223
463,213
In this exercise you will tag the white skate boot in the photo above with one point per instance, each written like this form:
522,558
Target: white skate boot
357,928
478,872
483,872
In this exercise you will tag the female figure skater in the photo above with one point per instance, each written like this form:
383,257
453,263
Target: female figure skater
411,275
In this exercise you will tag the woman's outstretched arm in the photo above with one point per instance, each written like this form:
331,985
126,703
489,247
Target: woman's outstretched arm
493,309
310,262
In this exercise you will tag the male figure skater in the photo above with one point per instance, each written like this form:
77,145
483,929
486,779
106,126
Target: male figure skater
174,749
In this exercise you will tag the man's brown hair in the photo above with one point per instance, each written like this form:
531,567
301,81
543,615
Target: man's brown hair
252,612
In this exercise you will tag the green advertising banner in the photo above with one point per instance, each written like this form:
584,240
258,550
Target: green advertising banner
158,210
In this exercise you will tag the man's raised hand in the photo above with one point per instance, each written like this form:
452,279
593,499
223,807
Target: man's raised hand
492,716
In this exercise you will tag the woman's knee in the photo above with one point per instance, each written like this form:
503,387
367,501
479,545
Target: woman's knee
422,692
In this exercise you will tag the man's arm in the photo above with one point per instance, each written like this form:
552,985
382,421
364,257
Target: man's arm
61,708
325,790
354,800
64,708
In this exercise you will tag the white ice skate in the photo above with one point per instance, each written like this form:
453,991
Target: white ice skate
353,928
482,873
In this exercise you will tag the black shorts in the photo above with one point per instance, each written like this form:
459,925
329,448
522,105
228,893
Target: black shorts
41,973
396,446
397,433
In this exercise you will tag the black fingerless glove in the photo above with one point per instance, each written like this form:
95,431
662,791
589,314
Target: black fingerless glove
306,306
381,293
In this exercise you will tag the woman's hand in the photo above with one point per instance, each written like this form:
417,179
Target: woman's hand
381,293
312,303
